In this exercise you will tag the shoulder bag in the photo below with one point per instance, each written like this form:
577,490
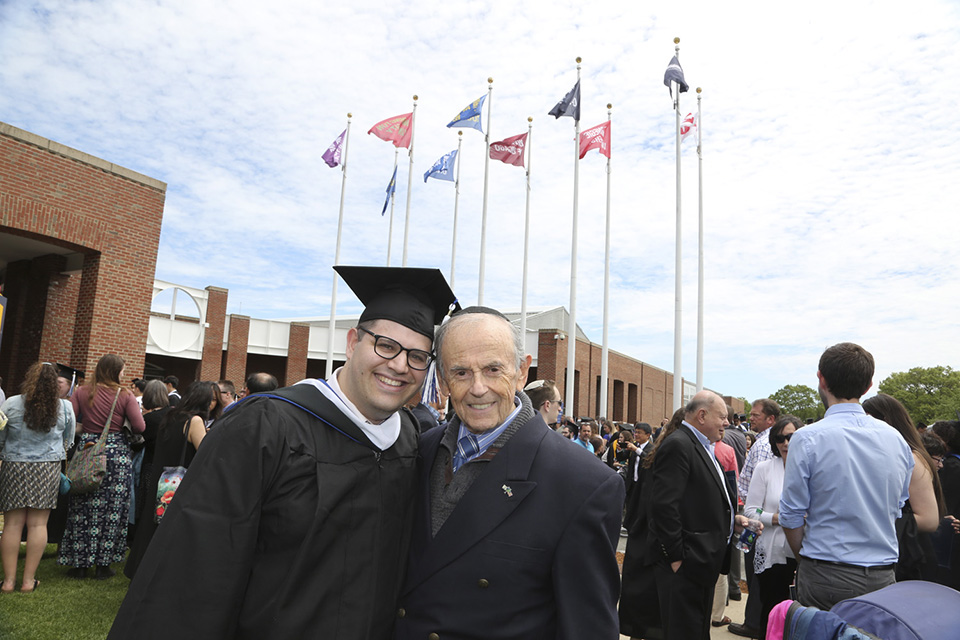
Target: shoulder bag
88,466
171,478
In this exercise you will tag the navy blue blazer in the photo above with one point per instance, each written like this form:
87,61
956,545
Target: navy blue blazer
529,551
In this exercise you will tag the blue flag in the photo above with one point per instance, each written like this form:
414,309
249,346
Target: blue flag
442,169
569,106
674,73
470,116
391,188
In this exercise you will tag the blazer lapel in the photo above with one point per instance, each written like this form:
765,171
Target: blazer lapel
494,495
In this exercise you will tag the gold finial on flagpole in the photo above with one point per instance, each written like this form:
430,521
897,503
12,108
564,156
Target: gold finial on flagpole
460,133
415,97
699,89
490,80
529,118
676,41
579,59
609,106
349,115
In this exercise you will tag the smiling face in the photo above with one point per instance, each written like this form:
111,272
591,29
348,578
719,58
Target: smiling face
376,386
479,370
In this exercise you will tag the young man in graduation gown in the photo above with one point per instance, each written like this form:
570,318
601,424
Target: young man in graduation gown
293,520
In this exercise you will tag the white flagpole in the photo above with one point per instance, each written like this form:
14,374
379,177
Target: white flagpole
526,236
486,176
393,200
456,204
568,397
406,222
700,265
332,326
678,301
605,353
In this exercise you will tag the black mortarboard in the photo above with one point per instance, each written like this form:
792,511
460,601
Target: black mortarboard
68,373
416,298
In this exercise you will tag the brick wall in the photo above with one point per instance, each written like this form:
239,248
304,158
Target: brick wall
235,359
296,369
211,361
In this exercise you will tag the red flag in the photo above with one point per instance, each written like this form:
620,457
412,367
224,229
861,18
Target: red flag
689,126
396,130
596,138
509,150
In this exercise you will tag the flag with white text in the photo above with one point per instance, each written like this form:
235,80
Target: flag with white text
569,106
334,152
509,150
442,169
597,137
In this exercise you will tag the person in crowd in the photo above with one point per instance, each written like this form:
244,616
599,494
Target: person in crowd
179,437
67,379
735,438
949,433
137,385
599,446
545,397
751,438
219,406
156,405
691,519
763,414
172,383
585,436
846,545
228,392
618,457
532,521
259,382
774,562
566,432
294,518
427,416
925,508
39,429
727,457
96,533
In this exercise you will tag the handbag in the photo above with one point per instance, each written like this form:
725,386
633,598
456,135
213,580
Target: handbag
134,440
88,466
170,480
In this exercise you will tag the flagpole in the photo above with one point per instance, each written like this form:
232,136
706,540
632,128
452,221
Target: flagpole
572,325
332,326
406,222
605,353
700,262
456,203
526,236
678,288
393,200
486,176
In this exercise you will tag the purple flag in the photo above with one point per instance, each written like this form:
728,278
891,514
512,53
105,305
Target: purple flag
332,155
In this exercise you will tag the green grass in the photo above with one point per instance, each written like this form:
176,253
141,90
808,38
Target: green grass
61,608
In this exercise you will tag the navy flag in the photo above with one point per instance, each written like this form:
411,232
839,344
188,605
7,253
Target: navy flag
674,73
391,188
570,105
470,116
442,169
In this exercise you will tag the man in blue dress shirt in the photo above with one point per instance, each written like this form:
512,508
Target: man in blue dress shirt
848,475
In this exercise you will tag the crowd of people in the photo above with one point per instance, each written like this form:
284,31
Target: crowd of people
350,508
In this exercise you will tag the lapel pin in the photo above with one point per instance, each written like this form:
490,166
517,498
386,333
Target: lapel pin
507,490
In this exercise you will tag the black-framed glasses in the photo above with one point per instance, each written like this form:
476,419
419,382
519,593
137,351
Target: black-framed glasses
780,439
388,349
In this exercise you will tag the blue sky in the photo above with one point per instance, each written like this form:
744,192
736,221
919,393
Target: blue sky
830,158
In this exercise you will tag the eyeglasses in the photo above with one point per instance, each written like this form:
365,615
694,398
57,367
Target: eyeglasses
388,349
938,460
782,438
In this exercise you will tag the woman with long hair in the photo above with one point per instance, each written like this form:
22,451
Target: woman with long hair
40,427
180,434
774,564
925,506
96,533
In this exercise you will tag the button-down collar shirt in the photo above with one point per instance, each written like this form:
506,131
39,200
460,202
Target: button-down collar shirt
702,439
485,439
759,452
849,474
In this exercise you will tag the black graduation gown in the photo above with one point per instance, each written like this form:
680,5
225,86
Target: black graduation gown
286,526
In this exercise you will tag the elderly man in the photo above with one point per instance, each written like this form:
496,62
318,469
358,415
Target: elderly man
691,519
515,531
846,479
293,520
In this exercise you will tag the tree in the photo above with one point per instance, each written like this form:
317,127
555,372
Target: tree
928,393
799,400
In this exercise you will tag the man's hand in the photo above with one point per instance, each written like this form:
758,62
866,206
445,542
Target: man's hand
740,523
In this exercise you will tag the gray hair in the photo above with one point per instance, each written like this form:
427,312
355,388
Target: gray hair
468,314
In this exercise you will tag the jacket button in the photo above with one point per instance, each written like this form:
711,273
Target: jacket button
433,636
401,612
483,583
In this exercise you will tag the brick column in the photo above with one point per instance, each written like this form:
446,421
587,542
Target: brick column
236,358
216,317
297,353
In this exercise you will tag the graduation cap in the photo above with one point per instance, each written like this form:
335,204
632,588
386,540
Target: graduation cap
67,373
418,299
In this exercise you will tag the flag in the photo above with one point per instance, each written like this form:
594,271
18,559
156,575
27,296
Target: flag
674,73
470,116
596,138
570,105
390,189
332,155
510,150
689,126
442,169
396,130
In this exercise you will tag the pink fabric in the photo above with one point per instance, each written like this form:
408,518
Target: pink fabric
726,456
777,620
93,417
